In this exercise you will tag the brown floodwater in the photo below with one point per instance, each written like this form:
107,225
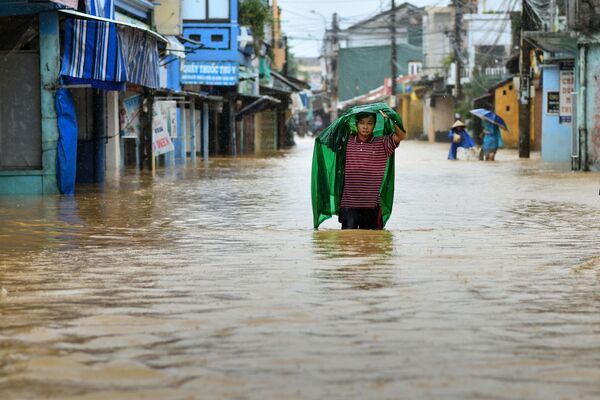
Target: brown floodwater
208,282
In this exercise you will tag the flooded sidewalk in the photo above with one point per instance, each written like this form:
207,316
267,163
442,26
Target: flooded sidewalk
209,283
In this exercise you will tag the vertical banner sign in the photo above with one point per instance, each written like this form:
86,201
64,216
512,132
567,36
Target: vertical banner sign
553,103
161,140
567,85
129,117
168,110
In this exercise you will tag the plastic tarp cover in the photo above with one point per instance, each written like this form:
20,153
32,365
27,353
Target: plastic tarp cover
66,160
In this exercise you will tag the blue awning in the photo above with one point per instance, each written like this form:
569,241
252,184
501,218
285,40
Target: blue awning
92,55
108,54
140,53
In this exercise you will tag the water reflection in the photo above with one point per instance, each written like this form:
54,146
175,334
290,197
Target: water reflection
363,257
354,243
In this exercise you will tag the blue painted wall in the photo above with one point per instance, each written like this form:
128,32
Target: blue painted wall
556,137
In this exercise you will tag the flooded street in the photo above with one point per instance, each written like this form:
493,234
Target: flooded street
210,283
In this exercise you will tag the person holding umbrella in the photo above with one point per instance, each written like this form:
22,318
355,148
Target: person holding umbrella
492,138
460,138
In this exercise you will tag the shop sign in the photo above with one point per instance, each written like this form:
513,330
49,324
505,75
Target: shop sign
161,141
553,106
221,73
567,86
168,110
129,117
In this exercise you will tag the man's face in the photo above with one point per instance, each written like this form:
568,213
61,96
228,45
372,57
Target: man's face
365,127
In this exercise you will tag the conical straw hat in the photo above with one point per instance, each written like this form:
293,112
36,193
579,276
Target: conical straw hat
458,124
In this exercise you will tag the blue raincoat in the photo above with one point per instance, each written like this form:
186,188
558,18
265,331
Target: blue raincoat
492,140
465,141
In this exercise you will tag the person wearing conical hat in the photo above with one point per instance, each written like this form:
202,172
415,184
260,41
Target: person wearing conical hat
459,138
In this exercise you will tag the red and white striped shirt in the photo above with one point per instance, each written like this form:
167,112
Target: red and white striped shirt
365,168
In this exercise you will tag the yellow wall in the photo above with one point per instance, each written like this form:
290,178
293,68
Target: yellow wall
506,99
438,118
411,110
167,17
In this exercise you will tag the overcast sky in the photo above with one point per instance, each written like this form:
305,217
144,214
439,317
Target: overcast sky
305,29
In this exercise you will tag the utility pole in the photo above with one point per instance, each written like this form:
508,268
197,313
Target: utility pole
525,66
458,16
393,66
334,67
287,56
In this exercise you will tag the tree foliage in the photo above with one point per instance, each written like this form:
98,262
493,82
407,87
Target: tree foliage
255,14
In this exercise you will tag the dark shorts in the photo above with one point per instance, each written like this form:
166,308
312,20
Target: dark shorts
361,218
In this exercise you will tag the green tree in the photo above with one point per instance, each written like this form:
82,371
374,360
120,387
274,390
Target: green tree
255,14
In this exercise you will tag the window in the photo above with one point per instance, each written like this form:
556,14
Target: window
510,87
218,9
20,137
504,93
196,37
206,10
216,38
194,9
507,108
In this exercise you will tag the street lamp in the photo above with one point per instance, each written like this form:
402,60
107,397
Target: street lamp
322,16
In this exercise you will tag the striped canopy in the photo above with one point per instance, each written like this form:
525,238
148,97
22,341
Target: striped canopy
140,53
107,55
92,55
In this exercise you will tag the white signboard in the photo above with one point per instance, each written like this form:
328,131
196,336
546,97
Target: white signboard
567,86
161,141
168,110
129,117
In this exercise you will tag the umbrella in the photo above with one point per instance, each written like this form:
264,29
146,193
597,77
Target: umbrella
489,116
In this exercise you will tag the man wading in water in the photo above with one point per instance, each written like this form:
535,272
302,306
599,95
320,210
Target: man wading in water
366,160
353,167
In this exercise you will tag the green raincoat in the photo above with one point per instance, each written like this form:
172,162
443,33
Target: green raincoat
329,156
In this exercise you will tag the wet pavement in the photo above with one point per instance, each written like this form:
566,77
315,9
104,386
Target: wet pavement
209,283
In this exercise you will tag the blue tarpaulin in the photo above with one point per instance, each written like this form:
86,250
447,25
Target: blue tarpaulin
66,160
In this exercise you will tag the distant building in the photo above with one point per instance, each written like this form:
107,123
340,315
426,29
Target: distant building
375,31
363,51
487,40
309,69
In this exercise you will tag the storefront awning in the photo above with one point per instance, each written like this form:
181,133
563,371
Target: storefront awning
108,54
81,15
201,96
259,104
554,42
175,47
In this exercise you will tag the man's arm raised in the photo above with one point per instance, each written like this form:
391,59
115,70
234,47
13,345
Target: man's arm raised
400,134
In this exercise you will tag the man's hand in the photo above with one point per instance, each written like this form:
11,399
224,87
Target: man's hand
400,132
